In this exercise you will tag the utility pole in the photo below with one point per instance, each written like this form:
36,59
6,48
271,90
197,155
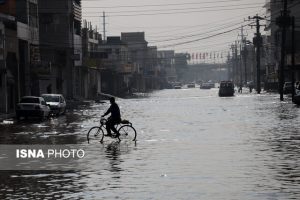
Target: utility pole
242,60
104,27
245,54
293,58
282,22
285,21
232,62
257,41
236,61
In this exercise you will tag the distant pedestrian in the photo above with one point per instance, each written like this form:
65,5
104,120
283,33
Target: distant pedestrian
240,89
49,89
250,88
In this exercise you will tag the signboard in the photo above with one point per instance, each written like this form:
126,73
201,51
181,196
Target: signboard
75,57
34,55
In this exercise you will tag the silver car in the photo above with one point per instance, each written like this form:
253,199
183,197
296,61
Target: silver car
56,102
31,106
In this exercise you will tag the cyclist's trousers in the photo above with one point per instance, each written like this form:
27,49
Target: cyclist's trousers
110,125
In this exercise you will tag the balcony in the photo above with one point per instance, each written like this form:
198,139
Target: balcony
77,11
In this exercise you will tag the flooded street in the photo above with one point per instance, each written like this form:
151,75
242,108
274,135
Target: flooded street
191,144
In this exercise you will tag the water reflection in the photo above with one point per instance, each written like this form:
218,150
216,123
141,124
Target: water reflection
112,153
286,111
39,184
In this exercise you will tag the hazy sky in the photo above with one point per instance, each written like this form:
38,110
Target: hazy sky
182,25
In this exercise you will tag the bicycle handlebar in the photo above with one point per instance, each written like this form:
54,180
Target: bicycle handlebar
103,120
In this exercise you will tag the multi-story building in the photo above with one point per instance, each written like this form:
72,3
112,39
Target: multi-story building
20,44
9,56
166,60
152,71
90,76
116,65
28,40
181,62
274,9
60,47
138,48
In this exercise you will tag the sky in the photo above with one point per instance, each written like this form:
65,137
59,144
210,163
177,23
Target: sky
186,26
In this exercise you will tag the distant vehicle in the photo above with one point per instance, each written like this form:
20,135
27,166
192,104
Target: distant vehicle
177,87
212,85
31,106
287,88
207,85
199,82
56,102
226,89
191,85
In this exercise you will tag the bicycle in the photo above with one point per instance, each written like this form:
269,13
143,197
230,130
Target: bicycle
125,129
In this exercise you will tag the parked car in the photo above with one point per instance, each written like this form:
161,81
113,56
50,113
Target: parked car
31,106
287,88
226,89
297,94
56,102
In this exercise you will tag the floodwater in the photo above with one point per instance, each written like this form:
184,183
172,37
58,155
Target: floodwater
191,144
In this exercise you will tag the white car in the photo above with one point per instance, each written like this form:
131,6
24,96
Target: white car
297,94
56,102
31,106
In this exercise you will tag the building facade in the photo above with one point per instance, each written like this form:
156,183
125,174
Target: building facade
9,56
274,9
60,47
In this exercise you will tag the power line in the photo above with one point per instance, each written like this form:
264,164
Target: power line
193,35
179,9
170,13
203,38
162,5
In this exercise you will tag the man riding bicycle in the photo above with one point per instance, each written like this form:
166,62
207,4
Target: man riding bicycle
115,117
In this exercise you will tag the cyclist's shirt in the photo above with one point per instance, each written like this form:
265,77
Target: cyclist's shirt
115,112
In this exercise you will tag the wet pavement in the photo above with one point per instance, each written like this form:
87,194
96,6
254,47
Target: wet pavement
191,145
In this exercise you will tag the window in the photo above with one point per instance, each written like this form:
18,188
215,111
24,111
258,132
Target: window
33,16
77,27
51,98
30,100
21,11
43,103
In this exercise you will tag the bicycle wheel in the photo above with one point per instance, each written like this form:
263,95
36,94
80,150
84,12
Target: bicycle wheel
127,133
95,135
